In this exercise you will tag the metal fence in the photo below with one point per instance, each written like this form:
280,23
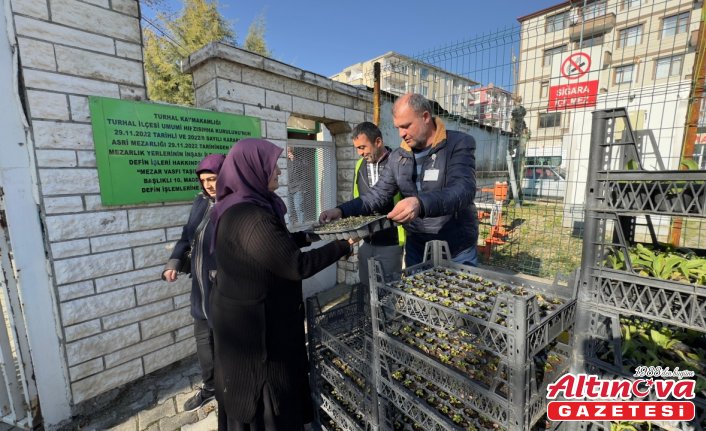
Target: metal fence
533,86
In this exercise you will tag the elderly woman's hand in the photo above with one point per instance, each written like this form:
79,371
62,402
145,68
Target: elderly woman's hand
169,275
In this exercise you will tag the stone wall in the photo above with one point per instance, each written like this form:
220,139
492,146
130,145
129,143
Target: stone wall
229,79
119,320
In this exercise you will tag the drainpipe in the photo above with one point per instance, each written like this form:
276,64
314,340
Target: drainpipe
692,122
376,93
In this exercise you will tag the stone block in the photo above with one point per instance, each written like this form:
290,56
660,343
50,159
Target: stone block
116,281
127,240
148,417
157,290
206,93
203,74
86,159
228,70
64,249
184,333
174,233
128,7
56,158
166,216
102,344
42,80
341,100
182,300
96,66
75,37
176,422
82,330
150,255
276,130
301,106
238,92
93,203
36,9
282,69
317,80
78,106
70,136
48,106
63,204
68,181
137,350
323,95
136,314
86,369
63,227
37,54
129,424
108,379
300,89
131,92
355,116
105,4
278,101
68,292
92,266
92,307
262,79
168,355
230,107
266,114
166,322
96,20
334,112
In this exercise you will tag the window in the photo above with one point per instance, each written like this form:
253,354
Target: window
675,24
549,54
414,70
549,119
557,22
425,90
629,4
589,42
424,73
666,67
623,74
631,36
594,10
544,90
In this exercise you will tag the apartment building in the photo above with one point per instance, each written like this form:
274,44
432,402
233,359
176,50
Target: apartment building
401,74
582,55
492,106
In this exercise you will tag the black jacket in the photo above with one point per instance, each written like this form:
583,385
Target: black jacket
385,237
202,261
447,209
258,312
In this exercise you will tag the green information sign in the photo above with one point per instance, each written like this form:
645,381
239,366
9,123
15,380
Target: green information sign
147,152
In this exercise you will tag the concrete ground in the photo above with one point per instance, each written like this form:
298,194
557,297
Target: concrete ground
156,402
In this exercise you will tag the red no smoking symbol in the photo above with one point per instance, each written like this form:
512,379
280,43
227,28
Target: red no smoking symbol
576,65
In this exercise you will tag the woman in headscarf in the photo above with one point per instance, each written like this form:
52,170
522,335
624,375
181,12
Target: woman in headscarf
257,305
196,240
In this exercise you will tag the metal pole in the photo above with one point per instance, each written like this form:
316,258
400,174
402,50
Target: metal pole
376,93
692,121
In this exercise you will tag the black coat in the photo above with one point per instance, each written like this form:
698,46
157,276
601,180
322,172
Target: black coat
202,260
258,313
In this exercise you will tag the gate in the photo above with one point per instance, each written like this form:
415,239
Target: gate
19,404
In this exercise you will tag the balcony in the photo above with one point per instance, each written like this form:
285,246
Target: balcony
592,27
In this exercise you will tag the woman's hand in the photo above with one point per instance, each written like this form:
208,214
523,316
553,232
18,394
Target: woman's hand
170,275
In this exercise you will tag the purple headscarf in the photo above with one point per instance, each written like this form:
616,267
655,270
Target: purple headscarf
211,163
244,177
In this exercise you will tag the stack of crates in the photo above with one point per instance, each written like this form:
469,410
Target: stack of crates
633,318
458,347
340,355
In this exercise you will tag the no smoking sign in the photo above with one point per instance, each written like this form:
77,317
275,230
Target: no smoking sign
576,65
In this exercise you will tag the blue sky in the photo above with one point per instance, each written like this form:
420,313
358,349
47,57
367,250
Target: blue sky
326,36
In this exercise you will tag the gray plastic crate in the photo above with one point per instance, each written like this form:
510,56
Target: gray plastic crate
362,230
513,328
340,352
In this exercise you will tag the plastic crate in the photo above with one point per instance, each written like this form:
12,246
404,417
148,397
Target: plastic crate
368,226
513,330
601,350
340,351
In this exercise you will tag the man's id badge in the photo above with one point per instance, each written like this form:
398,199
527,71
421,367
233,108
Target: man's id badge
431,175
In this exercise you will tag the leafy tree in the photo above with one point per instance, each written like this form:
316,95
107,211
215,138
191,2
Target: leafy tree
255,39
199,24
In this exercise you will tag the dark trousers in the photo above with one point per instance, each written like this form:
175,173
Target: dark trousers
204,351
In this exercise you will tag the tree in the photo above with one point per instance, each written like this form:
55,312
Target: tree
199,24
255,39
